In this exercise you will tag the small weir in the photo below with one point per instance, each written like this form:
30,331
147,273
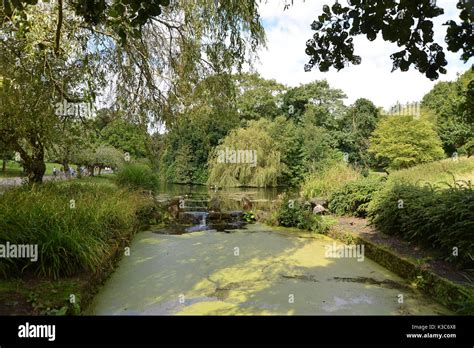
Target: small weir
204,212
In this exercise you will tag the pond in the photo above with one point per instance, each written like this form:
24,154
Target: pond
257,193
249,269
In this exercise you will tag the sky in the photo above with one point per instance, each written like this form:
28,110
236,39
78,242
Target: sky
284,58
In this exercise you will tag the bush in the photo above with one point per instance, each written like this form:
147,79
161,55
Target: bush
69,240
468,148
436,216
354,197
137,176
323,183
295,213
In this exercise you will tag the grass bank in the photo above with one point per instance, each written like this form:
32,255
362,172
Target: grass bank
80,228
436,172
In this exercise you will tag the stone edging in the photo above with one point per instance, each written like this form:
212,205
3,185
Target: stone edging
440,289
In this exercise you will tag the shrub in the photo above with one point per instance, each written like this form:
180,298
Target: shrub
468,148
69,240
436,216
295,213
354,197
137,176
249,217
323,183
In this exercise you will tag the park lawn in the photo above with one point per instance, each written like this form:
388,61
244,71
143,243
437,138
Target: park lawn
15,169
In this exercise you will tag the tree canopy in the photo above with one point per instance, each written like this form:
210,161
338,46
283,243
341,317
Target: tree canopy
403,141
407,23
452,104
258,97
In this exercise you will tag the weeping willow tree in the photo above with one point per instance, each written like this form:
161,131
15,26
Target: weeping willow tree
246,157
155,72
139,57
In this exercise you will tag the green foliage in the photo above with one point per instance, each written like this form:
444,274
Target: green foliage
258,97
137,176
260,167
101,157
302,139
356,127
293,213
323,183
436,172
5,152
181,169
30,120
125,17
438,216
453,107
354,197
289,143
249,217
301,148
127,137
402,141
318,147
296,213
466,305
207,116
55,62
332,44
69,240
323,103
468,148
108,156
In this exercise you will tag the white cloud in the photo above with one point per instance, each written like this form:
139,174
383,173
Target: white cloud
284,58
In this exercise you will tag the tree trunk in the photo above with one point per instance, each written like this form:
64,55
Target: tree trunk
36,175
33,164
35,168
4,165
66,169
100,170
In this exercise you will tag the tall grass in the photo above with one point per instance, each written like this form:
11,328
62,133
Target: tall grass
436,172
137,176
323,183
70,237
